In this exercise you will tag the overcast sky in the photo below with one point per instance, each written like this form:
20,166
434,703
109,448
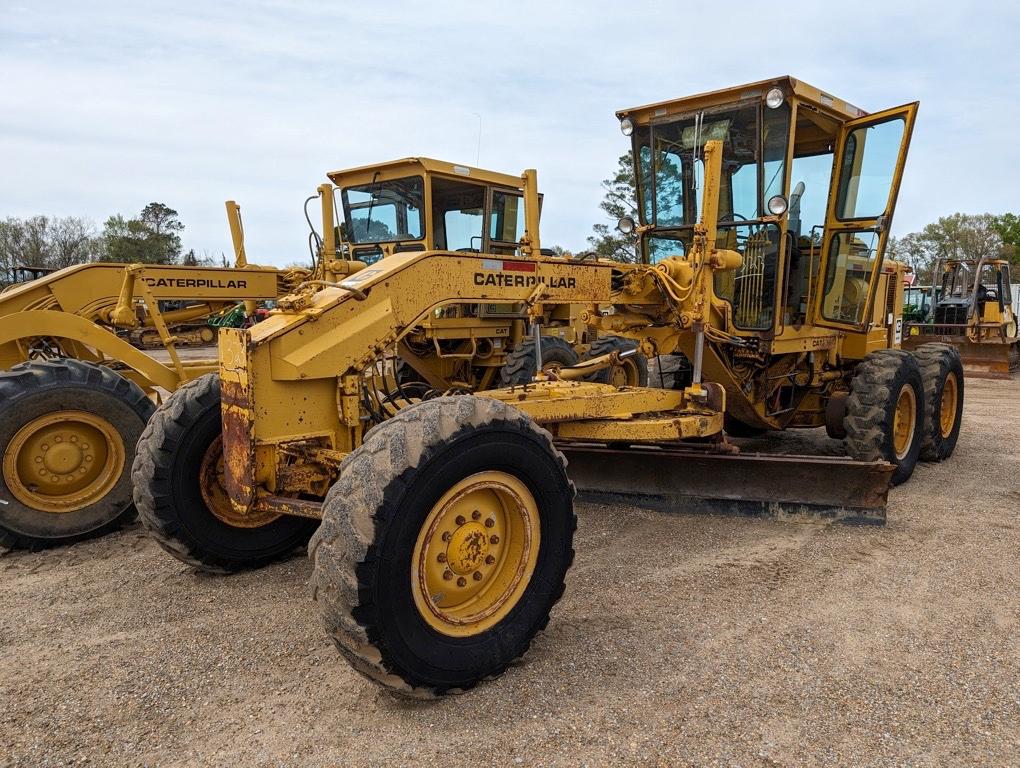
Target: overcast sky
106,106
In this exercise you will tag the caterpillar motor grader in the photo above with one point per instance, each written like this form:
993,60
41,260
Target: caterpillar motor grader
75,395
973,309
443,528
417,203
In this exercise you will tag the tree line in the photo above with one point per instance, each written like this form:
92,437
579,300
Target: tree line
54,242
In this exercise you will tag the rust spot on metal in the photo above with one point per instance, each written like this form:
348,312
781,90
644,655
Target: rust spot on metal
284,505
238,445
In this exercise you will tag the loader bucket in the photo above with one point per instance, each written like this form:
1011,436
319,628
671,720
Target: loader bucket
762,485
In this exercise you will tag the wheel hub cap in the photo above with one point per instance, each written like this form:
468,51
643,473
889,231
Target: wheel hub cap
469,545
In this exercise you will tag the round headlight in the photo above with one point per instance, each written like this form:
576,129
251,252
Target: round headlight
774,98
777,205
627,126
626,225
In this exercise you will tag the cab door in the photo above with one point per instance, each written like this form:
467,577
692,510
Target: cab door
867,167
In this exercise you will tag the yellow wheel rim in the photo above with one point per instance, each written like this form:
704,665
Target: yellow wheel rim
214,492
904,421
64,461
624,375
475,554
947,409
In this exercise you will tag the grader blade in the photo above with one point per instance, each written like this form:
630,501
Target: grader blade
762,485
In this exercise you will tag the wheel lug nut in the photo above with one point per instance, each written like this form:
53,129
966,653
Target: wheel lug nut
57,439
489,559
460,520
446,535
74,438
441,557
475,515
489,523
38,459
45,447
461,582
494,539
477,575
85,446
447,575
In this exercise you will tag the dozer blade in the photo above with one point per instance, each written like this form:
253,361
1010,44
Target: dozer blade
675,479
990,360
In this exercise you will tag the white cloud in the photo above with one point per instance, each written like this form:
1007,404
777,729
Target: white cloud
108,106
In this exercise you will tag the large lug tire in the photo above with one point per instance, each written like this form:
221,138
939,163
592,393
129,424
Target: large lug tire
885,411
69,430
180,497
415,588
520,364
942,374
633,372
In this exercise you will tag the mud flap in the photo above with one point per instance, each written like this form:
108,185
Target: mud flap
762,485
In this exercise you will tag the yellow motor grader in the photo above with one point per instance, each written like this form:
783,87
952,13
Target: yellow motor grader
75,395
972,308
443,528
416,204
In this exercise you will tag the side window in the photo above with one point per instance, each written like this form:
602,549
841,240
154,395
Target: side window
458,213
869,164
507,225
463,229
807,211
853,257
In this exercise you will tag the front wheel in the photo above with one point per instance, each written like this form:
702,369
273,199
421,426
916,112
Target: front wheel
885,411
631,372
521,363
179,492
439,572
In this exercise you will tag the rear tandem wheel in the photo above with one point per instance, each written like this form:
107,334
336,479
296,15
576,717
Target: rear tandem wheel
885,411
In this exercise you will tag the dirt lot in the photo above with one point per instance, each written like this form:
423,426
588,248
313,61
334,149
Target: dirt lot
681,640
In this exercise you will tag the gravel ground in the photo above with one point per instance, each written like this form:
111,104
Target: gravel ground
682,640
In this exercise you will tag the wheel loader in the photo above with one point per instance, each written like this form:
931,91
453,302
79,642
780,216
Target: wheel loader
973,309
418,203
75,395
441,530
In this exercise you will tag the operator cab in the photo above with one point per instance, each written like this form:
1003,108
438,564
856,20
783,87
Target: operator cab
419,204
778,205
981,290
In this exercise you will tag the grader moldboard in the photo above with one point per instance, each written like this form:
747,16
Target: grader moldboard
75,396
444,532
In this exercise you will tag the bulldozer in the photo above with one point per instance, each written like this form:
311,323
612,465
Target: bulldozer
441,529
75,395
972,308
419,203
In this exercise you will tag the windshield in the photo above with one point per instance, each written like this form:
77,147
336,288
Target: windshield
385,211
754,164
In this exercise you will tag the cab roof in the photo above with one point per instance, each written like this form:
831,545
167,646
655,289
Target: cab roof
412,166
815,97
